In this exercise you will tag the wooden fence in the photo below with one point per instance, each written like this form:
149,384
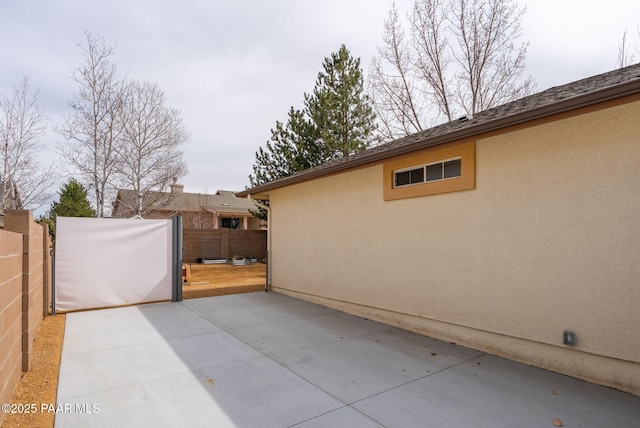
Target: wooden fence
223,244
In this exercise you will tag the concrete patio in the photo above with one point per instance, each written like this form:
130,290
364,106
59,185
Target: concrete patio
267,360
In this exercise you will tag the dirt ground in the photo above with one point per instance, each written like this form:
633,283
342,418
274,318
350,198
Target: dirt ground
217,280
39,386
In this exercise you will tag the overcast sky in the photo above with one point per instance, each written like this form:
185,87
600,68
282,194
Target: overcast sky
233,68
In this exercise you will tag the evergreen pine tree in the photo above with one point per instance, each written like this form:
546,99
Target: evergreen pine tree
293,147
73,203
337,121
339,108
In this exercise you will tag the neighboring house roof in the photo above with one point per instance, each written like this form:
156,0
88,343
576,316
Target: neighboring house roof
560,99
223,201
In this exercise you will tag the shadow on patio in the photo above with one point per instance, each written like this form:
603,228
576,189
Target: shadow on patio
268,360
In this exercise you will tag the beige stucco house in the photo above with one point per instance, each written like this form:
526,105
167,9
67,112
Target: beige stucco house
222,210
515,232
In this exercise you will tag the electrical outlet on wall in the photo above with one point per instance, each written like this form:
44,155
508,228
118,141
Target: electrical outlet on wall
569,338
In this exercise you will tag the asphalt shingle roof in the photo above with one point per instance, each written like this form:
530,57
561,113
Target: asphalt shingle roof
221,201
553,101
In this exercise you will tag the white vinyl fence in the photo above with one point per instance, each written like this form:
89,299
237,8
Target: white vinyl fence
113,262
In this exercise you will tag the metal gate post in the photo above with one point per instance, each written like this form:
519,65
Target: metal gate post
53,284
176,226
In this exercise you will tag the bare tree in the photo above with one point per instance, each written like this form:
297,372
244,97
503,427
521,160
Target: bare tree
24,183
92,130
626,58
431,57
202,219
392,89
150,150
461,59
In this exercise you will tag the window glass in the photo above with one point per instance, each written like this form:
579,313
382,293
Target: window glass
453,168
402,178
434,172
230,223
417,175
430,171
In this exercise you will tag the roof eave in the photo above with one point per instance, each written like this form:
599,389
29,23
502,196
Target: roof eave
565,105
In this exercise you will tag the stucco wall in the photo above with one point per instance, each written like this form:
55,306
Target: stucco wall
549,240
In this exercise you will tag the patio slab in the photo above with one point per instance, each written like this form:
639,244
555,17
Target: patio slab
268,360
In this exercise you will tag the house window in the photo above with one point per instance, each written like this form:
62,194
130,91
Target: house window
412,176
442,170
439,169
230,223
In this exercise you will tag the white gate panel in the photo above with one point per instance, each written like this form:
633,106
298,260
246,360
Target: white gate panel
104,262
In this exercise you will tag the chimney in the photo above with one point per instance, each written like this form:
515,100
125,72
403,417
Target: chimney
175,187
